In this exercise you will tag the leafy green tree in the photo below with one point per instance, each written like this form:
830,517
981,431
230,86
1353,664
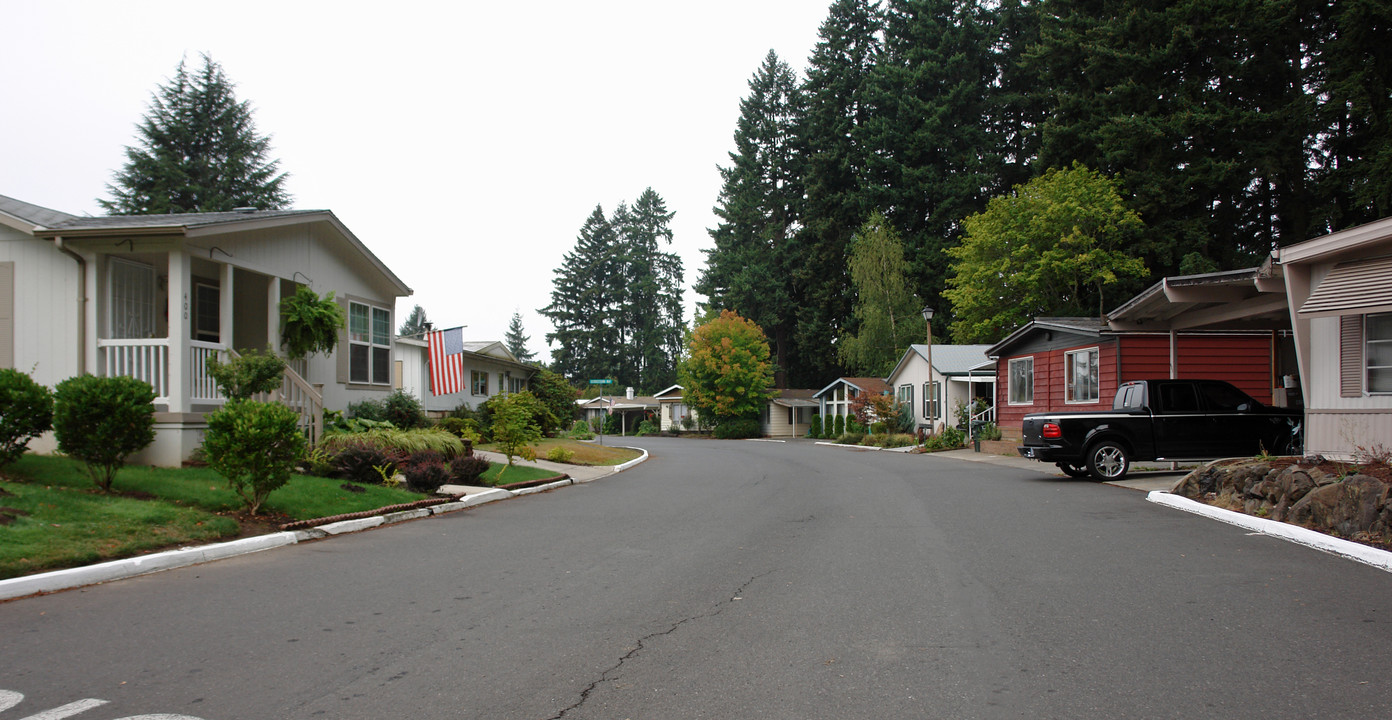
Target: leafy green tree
198,151
516,339
556,395
1049,248
515,429
415,325
748,270
727,373
887,311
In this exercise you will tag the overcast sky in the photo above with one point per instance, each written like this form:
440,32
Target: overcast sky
464,142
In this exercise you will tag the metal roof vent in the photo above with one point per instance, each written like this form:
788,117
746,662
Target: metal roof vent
244,210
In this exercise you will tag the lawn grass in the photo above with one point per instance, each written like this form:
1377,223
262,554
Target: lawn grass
585,453
60,519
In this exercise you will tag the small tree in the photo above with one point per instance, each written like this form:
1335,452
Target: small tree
251,373
557,395
26,412
102,420
255,446
727,373
515,428
310,324
415,323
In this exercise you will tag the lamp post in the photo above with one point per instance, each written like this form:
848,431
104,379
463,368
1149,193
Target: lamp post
928,320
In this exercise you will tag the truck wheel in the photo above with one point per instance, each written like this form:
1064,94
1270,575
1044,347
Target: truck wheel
1107,460
1074,471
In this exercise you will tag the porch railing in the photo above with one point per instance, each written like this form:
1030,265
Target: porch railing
202,387
985,416
302,397
146,360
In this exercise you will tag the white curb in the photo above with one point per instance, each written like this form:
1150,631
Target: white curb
542,488
1380,559
631,463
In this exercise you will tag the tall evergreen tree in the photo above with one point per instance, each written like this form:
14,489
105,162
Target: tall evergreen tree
198,151
415,323
932,162
653,294
748,269
516,339
836,186
584,303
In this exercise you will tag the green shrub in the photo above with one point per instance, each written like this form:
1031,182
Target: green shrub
404,410
853,425
736,428
949,439
581,431
460,428
467,469
255,445
989,431
879,428
399,442
688,422
814,429
359,460
101,420
647,427
560,455
850,438
613,424
373,409
244,376
839,426
26,412
425,471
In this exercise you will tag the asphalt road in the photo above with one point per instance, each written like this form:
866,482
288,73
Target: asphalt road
726,579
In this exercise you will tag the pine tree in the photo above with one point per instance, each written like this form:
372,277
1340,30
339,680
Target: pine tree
836,179
415,324
585,303
198,151
516,339
653,294
748,270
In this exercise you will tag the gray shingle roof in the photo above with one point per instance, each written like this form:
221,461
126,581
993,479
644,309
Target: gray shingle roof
185,220
954,359
33,214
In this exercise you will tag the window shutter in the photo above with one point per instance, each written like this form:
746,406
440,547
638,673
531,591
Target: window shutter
1351,356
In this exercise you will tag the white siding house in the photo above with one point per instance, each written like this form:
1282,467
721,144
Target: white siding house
790,413
959,374
1339,290
488,370
672,412
156,296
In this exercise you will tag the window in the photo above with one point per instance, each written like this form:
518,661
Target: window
131,286
207,315
369,344
478,381
1378,351
1021,381
930,400
516,385
1080,371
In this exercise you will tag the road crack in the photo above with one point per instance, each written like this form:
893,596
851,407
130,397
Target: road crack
611,674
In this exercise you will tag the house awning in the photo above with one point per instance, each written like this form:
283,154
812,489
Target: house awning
1363,286
795,402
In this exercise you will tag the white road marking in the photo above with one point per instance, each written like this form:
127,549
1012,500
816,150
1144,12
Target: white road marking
68,710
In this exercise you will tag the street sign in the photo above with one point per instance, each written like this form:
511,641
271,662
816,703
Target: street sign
605,381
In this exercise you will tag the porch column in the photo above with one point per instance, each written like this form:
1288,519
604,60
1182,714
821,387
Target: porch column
91,326
225,329
273,314
179,365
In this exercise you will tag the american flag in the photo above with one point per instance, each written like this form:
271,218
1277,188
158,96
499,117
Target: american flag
446,349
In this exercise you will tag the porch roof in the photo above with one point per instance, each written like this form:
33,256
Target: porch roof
31,215
1247,299
191,225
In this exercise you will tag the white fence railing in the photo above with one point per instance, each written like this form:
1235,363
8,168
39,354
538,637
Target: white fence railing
202,387
146,360
985,416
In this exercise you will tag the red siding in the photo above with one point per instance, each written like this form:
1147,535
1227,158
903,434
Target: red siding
1243,360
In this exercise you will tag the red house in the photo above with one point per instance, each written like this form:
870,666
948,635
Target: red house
1061,364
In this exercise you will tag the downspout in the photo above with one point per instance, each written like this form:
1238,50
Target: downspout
82,301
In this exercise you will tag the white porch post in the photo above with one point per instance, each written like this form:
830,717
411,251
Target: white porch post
91,325
273,314
179,365
225,306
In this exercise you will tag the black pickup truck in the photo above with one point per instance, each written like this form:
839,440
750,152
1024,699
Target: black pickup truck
1169,420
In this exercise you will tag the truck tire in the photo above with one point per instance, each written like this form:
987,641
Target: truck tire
1073,471
1108,461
